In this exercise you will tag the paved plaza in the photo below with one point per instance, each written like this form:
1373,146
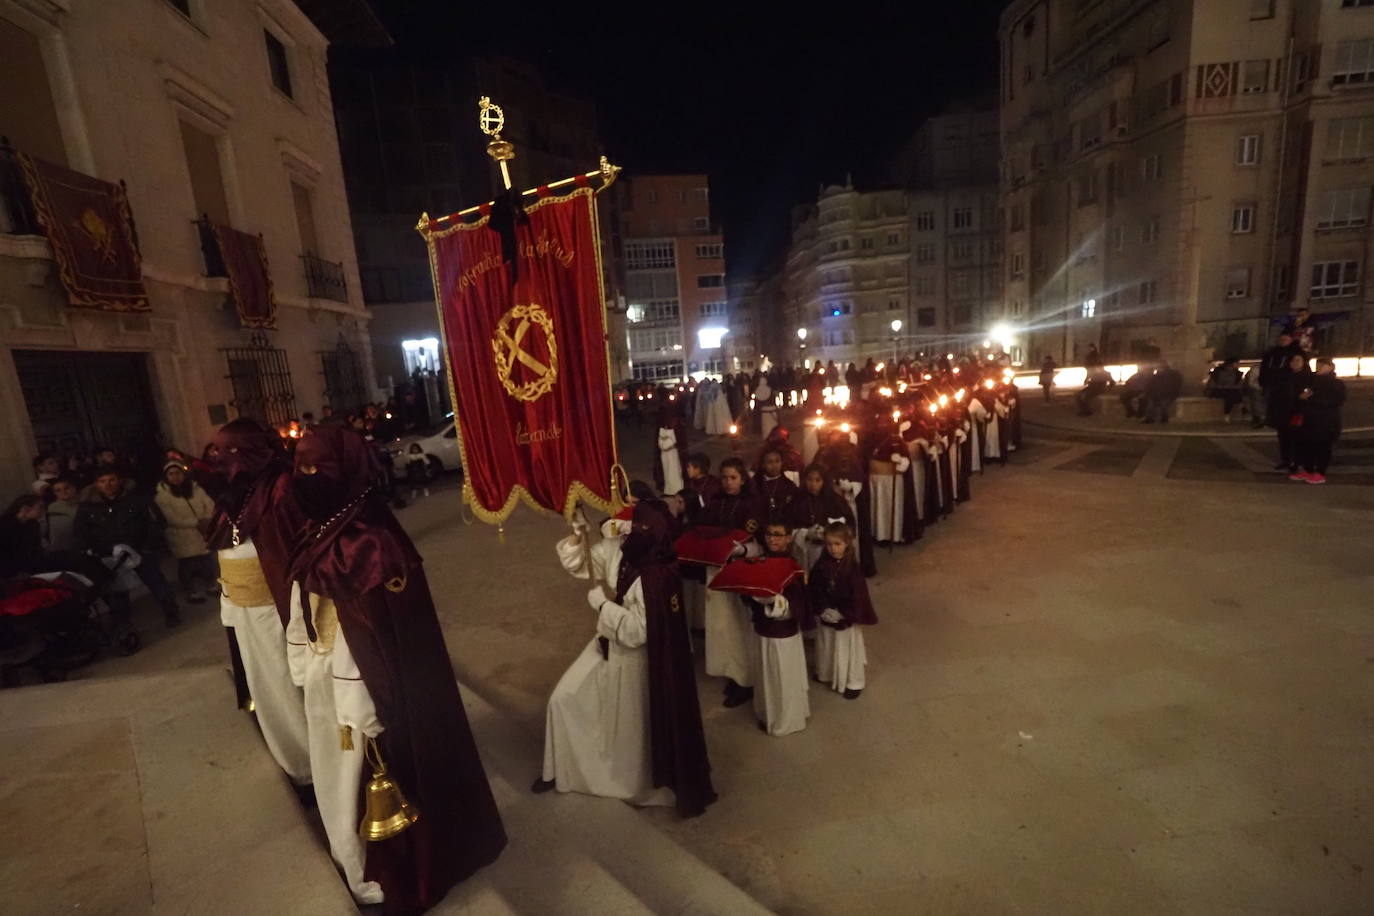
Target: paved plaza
1133,675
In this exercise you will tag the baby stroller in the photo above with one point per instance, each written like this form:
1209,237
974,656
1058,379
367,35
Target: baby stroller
54,623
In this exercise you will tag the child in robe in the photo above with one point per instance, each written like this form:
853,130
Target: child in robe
775,491
815,506
729,634
699,487
780,682
839,597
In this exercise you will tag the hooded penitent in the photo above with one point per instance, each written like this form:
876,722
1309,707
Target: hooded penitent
257,503
677,741
354,551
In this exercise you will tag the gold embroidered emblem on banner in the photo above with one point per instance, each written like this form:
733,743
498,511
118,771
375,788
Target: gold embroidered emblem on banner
515,332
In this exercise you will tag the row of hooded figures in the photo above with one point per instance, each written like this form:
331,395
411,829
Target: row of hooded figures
800,534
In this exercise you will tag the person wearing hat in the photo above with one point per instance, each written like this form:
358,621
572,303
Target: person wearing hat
188,510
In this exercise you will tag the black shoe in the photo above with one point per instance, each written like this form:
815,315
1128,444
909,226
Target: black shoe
738,697
306,796
542,785
852,694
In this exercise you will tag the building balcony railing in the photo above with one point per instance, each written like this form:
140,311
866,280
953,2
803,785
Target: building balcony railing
325,279
17,216
209,248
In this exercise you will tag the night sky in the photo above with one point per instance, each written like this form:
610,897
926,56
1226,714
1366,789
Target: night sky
769,107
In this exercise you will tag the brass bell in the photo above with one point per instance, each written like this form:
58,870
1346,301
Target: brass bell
388,812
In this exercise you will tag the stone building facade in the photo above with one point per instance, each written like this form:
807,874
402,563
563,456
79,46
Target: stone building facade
203,108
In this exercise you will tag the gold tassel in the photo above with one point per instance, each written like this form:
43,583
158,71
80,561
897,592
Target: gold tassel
345,737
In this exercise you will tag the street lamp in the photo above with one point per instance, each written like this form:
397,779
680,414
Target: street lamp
801,337
896,329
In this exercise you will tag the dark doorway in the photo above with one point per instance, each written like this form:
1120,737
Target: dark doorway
79,401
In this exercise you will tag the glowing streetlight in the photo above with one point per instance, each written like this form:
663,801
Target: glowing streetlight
801,337
896,329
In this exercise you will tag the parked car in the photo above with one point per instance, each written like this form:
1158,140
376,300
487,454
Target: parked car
440,444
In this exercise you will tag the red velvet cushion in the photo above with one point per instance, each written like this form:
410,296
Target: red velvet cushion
707,545
759,577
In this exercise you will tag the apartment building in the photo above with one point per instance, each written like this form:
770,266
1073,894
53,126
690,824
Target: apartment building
216,116
677,308
1178,176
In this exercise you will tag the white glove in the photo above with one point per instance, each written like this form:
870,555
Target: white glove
776,609
830,615
597,597
739,551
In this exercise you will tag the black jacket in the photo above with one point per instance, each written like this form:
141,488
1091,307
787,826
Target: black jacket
21,548
1321,413
1283,397
131,518
1274,366
1166,384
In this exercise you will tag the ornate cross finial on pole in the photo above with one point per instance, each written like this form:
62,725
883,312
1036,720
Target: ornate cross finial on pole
492,120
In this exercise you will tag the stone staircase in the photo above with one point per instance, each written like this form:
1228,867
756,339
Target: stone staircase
151,793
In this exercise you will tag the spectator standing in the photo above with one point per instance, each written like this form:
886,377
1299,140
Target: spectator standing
1161,392
1320,404
1093,360
1302,332
418,471
1224,382
1047,368
187,509
114,513
1284,414
1273,368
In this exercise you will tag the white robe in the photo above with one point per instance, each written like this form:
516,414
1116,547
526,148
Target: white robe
840,657
729,635
889,504
718,418
811,443
335,696
781,699
992,447
596,726
278,703
672,461
768,411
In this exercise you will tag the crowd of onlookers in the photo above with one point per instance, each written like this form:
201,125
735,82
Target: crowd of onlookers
1290,389
123,520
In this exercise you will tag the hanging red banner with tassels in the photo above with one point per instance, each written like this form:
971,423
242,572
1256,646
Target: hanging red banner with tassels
525,338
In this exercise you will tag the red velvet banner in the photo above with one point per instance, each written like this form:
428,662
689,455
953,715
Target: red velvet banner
528,361
90,229
250,281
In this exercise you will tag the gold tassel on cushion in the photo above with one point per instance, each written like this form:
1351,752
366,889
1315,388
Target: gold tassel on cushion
345,737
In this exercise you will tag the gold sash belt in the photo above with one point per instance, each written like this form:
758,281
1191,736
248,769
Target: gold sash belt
244,583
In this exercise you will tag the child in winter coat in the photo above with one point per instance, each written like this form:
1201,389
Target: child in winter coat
839,597
418,471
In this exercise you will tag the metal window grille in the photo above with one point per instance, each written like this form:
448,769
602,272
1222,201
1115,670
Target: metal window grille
261,379
343,378
325,279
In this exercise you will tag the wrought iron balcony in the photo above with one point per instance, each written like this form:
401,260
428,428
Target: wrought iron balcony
325,279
